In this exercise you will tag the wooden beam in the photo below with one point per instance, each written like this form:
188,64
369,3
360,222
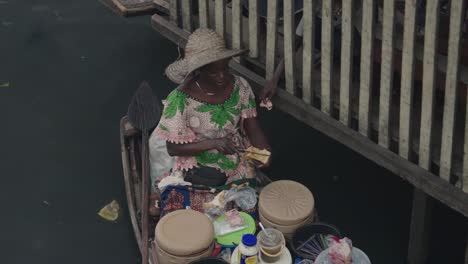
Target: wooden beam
327,56
236,26
173,10
429,74
203,13
421,215
308,51
346,78
420,178
451,87
289,44
272,17
407,80
386,76
464,177
253,28
367,54
220,18
187,15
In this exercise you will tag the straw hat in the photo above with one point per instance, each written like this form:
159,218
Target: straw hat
204,46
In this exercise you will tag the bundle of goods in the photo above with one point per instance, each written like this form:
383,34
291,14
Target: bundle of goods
286,205
183,236
341,251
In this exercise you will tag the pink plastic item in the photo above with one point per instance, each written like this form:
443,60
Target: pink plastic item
233,218
340,251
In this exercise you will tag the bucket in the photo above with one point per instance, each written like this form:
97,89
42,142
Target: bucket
305,232
271,244
358,256
209,260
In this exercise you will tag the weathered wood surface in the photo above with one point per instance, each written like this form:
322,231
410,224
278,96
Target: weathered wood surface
327,55
271,38
451,87
420,227
253,28
464,176
346,78
220,19
407,80
236,25
173,11
429,67
308,51
289,44
367,55
186,7
203,13
386,76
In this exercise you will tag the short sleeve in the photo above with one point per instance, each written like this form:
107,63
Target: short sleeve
173,124
247,98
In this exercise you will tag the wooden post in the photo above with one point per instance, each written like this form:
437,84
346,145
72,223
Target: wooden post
451,87
173,11
429,73
271,38
253,28
187,15
464,178
289,44
219,16
420,228
367,52
327,55
203,13
407,79
308,51
386,76
236,26
346,79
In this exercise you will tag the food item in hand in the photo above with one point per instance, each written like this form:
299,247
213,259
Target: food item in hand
261,155
340,251
110,212
233,218
267,104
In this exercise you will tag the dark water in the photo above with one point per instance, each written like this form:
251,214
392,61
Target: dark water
72,68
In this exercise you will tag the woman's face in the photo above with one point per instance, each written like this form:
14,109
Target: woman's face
216,73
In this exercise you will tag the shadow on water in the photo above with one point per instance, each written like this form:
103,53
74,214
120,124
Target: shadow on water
72,68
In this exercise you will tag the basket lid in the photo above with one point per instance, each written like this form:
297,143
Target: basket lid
286,202
184,232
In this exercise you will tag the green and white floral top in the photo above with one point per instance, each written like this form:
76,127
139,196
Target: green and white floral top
186,119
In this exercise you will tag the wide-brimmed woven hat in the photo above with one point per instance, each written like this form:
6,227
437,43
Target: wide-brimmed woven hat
204,46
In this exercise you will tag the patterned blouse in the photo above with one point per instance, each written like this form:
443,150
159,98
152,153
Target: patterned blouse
186,119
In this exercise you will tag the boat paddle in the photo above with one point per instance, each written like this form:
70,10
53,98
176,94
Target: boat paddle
144,113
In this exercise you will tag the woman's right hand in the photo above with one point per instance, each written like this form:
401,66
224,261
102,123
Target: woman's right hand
224,145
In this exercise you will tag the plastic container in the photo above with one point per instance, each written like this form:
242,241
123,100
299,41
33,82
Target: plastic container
248,252
359,257
271,243
210,260
305,232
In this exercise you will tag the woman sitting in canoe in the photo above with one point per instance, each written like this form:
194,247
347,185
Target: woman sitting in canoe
209,120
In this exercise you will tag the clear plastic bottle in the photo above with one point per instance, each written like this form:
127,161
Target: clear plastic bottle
248,252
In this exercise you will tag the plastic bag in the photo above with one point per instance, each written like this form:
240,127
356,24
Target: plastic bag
226,255
245,198
222,228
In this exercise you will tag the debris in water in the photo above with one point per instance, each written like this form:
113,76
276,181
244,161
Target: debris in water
4,84
46,203
110,212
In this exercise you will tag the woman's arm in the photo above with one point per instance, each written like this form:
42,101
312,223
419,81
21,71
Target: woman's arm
255,134
223,145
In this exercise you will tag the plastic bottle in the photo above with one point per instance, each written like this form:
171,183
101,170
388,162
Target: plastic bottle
248,252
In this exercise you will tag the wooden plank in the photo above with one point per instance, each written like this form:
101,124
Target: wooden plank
464,177
173,10
236,25
327,55
203,13
418,246
386,76
367,53
253,28
289,44
420,178
429,67
346,61
407,79
308,51
271,38
187,15
451,87
220,18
